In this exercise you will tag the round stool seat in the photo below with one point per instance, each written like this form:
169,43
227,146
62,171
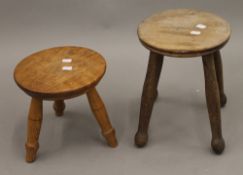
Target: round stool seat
60,73
184,33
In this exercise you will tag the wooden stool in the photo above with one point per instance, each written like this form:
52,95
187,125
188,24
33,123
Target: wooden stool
58,74
184,33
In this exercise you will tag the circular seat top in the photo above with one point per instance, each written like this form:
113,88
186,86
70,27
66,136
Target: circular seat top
184,33
59,73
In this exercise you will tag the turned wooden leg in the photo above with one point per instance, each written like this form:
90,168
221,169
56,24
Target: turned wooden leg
213,103
59,107
148,97
34,126
158,72
101,116
219,72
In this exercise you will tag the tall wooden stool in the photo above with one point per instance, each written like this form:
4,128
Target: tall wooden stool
58,74
184,33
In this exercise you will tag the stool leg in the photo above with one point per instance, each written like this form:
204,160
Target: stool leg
148,97
34,126
101,116
213,103
158,72
219,72
59,107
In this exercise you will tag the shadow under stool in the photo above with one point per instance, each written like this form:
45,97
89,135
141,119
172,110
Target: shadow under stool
184,33
57,74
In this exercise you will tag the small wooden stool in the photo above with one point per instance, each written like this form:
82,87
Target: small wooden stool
57,74
184,33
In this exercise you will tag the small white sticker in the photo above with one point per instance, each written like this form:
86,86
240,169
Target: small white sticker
67,68
67,60
195,32
201,26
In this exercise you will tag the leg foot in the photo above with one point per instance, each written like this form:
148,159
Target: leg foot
141,139
223,100
34,126
110,136
31,151
101,116
218,145
220,79
59,107
213,103
149,95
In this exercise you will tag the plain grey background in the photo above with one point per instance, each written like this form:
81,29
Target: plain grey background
179,131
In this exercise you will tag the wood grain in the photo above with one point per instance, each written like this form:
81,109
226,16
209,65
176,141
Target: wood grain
101,116
213,103
34,126
41,75
169,33
185,33
149,95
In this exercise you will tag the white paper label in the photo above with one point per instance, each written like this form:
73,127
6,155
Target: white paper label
195,32
67,60
67,68
201,26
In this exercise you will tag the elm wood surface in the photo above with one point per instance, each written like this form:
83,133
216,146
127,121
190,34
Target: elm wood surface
168,33
41,76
